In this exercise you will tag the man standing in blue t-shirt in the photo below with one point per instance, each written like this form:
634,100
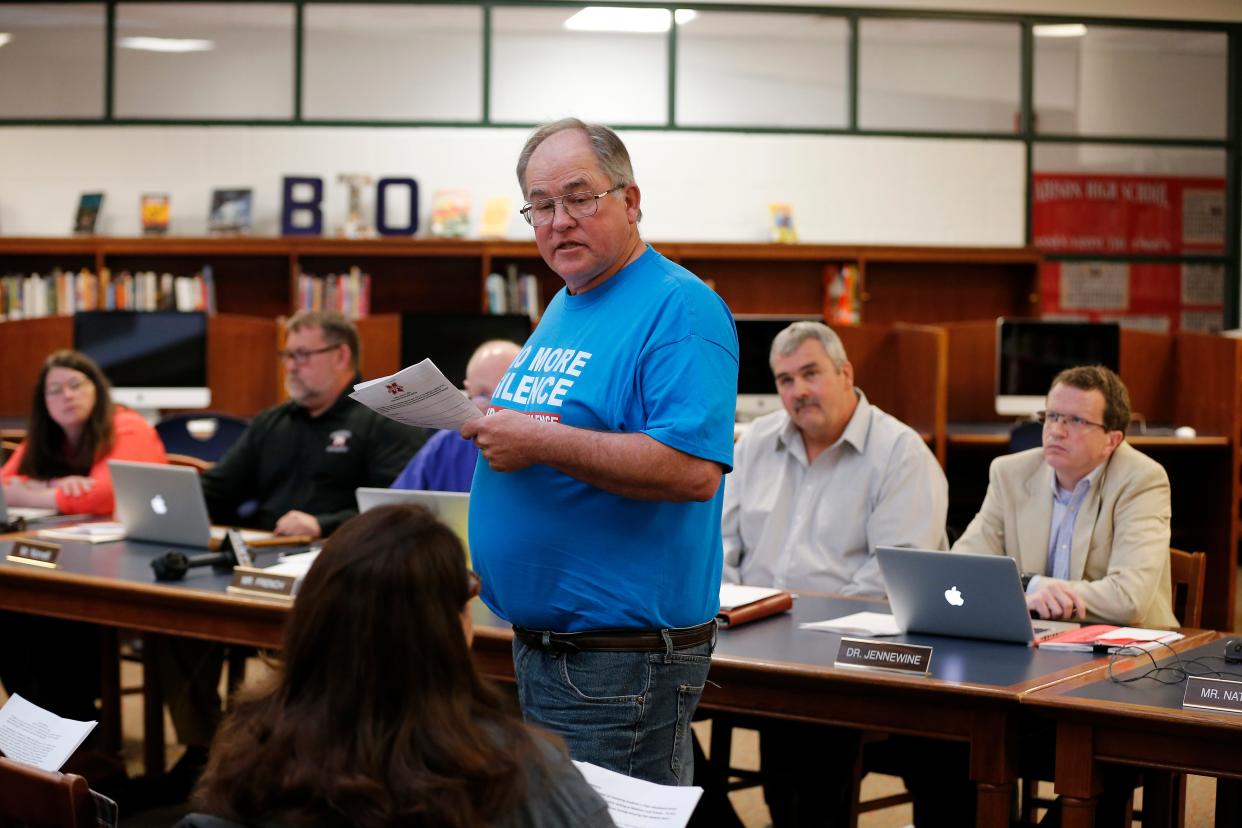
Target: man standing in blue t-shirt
595,511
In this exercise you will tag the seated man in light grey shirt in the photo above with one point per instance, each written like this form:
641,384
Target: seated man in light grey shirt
815,489
818,486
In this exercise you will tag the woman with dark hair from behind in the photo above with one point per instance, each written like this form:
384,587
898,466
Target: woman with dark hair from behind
73,431
375,714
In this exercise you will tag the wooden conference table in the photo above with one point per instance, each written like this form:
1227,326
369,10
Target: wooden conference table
975,692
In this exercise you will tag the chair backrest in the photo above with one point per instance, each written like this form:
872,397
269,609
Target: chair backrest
1187,570
44,799
222,430
195,463
1026,435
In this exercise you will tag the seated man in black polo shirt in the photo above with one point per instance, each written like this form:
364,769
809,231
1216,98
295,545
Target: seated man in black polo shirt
300,462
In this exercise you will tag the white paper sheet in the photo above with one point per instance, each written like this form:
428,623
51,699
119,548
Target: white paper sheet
859,623
33,736
736,595
419,395
636,803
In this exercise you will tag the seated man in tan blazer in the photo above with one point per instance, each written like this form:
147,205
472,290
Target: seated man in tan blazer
1086,516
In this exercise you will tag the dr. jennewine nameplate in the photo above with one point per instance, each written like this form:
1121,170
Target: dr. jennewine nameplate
884,655
1214,694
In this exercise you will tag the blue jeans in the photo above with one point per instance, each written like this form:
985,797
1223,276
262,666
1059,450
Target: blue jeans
628,712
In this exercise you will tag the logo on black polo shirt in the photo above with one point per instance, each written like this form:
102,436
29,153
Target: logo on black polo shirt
338,441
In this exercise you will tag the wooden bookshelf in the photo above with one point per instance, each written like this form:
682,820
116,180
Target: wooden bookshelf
258,276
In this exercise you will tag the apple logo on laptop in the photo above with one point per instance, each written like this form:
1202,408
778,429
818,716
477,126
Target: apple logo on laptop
158,505
954,596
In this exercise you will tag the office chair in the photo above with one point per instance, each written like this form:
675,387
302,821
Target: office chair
1026,435
222,431
43,799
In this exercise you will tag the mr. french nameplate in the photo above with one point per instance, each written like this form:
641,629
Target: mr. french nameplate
34,553
1213,694
884,655
257,582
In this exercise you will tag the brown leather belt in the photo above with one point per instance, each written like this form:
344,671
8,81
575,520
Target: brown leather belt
617,640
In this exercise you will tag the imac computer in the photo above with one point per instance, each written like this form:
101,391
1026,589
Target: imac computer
756,387
449,339
1031,352
154,359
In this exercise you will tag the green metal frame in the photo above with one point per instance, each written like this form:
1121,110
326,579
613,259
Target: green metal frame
1026,133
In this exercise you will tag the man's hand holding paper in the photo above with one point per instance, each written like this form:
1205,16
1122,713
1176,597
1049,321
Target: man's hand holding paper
419,395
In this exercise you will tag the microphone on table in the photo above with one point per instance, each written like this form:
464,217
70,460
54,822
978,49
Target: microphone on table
173,565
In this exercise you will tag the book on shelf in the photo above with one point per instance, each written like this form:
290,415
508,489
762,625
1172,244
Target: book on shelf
1105,638
516,293
64,293
782,223
89,205
230,211
450,214
497,212
348,293
156,209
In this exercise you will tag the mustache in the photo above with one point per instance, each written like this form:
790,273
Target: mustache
803,402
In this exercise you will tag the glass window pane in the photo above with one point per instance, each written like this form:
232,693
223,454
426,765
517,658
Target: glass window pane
204,60
542,69
937,75
52,60
738,69
388,62
1123,81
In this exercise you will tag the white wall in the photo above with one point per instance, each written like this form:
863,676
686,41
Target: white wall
696,186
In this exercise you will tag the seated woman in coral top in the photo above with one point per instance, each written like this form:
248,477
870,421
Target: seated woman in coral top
74,430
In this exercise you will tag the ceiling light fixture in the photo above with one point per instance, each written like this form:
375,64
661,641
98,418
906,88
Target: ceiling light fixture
166,44
624,19
1060,30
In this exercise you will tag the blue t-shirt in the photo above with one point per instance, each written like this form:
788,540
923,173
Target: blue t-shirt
652,350
444,464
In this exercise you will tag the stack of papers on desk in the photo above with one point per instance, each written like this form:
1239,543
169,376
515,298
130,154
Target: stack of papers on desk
94,532
1106,638
859,623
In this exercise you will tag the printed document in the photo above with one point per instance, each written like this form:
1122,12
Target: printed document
858,623
637,803
739,595
417,396
33,736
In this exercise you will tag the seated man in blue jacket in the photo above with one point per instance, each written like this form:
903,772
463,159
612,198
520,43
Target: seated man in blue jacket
446,462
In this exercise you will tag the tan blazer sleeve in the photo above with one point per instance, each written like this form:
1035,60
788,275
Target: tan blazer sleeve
1127,582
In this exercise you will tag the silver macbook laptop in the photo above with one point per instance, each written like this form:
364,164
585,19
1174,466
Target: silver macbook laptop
960,594
160,503
29,513
453,508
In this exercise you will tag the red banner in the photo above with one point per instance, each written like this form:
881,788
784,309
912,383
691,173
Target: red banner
1127,214
1157,297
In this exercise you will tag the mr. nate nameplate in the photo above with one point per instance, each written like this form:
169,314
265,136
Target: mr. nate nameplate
884,655
1213,694
258,582
34,553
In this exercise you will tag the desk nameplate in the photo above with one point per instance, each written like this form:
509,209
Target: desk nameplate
884,655
262,584
34,553
1213,694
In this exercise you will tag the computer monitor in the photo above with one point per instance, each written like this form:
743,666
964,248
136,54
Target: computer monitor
450,338
756,387
154,359
1031,352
